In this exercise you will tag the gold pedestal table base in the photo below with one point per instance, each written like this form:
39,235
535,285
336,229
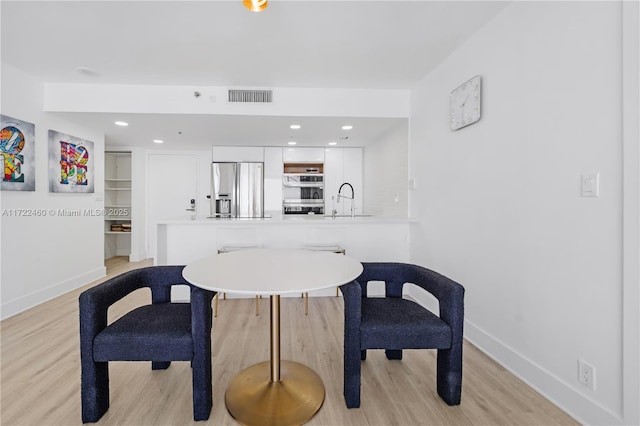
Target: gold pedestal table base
253,399
275,392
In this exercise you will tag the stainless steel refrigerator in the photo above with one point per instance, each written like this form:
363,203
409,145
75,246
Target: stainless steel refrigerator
237,189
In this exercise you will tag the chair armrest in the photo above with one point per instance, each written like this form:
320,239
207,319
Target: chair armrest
449,293
94,303
352,295
201,316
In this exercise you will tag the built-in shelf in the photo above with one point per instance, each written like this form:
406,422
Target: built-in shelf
303,168
303,184
117,204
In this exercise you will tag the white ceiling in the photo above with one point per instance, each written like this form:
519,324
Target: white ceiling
299,44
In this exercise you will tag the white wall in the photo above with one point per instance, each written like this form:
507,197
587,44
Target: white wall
138,205
179,99
386,174
45,256
631,210
499,202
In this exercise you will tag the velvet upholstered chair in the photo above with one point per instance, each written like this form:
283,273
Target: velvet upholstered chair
393,323
160,332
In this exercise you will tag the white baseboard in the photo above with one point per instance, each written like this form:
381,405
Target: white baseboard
580,407
15,306
137,257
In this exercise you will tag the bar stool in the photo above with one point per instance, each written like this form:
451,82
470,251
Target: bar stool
227,249
321,247
235,238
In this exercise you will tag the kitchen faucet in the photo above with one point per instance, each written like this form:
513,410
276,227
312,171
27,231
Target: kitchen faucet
352,198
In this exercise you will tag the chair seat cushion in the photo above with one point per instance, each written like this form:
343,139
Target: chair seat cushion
395,323
159,332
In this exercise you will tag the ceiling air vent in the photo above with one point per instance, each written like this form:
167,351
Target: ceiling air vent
250,95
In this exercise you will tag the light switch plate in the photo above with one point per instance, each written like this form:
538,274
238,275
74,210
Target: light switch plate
591,185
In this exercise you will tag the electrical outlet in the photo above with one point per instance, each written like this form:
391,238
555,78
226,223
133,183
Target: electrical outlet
587,374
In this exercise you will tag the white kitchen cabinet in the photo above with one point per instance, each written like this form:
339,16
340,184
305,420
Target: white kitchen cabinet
333,178
353,174
272,179
237,153
117,204
343,165
273,162
303,155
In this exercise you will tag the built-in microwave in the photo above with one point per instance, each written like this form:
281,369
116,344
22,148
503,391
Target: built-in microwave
303,193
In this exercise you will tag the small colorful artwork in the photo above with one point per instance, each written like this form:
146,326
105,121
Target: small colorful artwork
70,164
17,152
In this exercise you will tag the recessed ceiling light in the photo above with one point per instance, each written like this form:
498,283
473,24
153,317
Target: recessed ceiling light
157,141
122,123
347,127
292,143
333,143
295,126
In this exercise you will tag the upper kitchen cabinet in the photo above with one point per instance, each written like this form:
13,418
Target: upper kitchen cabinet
303,155
237,154
343,165
272,179
273,162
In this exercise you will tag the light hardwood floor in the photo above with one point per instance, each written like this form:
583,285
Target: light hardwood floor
40,373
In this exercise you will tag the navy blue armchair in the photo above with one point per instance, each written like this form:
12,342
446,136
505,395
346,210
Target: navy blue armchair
393,323
160,332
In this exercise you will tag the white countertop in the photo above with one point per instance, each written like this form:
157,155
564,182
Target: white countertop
293,219
272,271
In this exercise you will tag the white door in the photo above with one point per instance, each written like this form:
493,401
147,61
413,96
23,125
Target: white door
171,185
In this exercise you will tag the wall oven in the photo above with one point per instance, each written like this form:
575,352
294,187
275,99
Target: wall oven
303,192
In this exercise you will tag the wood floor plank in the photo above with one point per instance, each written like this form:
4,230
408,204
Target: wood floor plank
40,371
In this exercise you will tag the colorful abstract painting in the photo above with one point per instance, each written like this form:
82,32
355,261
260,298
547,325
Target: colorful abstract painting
17,152
70,164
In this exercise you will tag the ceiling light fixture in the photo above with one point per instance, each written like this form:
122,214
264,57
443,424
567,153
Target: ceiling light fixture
158,141
255,5
122,123
333,143
292,143
347,127
295,126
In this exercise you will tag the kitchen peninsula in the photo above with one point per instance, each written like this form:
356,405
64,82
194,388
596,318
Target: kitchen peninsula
365,238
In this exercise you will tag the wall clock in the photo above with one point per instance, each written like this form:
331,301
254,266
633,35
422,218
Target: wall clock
465,104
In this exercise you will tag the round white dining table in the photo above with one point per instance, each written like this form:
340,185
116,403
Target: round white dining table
274,392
